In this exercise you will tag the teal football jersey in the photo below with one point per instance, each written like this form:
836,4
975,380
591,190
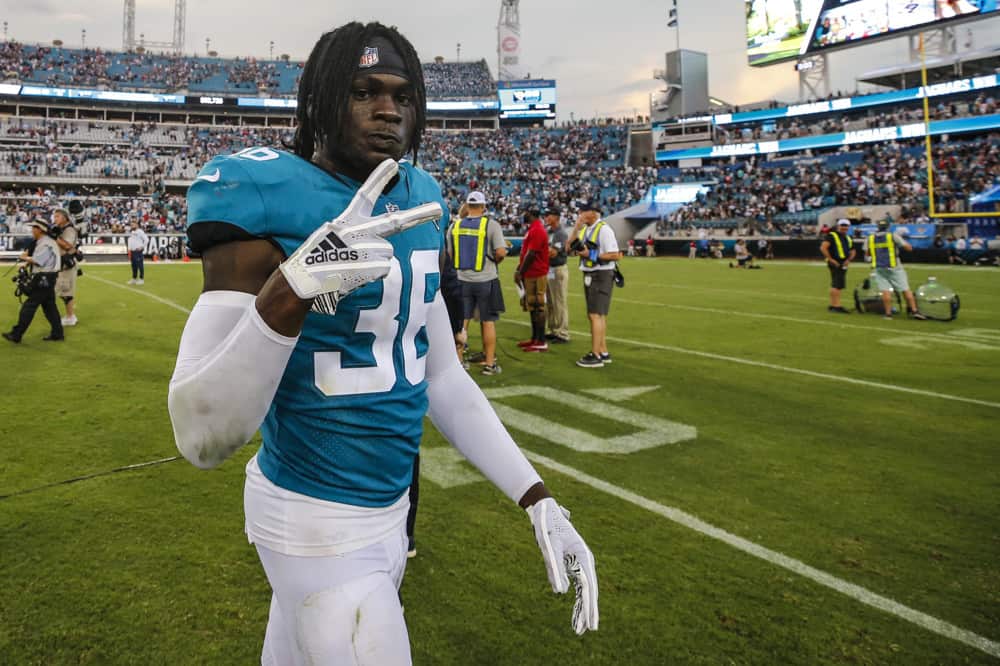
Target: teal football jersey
347,419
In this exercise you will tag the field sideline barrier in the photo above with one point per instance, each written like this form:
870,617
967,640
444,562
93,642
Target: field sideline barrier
103,247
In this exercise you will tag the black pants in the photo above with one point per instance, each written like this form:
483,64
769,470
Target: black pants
44,297
411,517
137,268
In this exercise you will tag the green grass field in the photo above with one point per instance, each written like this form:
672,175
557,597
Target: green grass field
885,489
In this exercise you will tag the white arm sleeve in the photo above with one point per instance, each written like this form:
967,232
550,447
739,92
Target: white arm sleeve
228,369
458,409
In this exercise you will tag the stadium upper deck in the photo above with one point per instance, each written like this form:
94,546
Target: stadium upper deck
55,66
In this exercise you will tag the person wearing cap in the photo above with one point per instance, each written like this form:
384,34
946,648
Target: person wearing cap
838,250
557,293
320,323
66,283
475,247
532,275
44,262
597,248
883,251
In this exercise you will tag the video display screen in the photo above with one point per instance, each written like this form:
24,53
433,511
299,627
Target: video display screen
785,29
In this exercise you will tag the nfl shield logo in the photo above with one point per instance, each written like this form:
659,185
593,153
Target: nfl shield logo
369,57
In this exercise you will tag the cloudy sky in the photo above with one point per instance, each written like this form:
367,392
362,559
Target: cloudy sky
602,54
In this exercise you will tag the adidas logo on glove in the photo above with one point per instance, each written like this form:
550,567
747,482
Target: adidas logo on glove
331,249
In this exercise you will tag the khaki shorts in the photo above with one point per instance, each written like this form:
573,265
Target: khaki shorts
66,283
534,291
891,278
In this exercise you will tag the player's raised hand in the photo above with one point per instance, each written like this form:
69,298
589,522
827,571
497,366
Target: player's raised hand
351,251
566,557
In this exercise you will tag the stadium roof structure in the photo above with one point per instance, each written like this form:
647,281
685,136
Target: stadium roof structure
939,69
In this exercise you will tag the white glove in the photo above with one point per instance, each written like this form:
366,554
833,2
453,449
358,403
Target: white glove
351,251
566,556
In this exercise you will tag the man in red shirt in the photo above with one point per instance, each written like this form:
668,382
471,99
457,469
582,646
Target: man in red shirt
532,275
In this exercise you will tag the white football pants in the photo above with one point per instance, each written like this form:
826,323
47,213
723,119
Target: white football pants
337,610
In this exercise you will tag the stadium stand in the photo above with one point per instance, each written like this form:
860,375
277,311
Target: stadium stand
52,66
780,194
516,167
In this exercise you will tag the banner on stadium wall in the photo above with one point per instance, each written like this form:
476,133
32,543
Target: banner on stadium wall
168,246
874,135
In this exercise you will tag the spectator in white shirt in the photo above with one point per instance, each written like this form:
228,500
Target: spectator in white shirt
137,240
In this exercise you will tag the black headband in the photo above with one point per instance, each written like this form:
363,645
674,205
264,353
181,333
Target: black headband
381,57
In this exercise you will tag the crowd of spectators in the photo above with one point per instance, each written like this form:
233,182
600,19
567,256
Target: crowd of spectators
56,66
752,196
456,80
517,168
791,128
520,169
104,213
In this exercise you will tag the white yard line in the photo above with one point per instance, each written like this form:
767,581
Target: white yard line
797,320
137,290
679,350
857,592
865,596
783,368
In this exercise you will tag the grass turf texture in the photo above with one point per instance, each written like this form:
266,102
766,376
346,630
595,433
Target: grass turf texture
888,490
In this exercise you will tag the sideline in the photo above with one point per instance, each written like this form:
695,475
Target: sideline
856,592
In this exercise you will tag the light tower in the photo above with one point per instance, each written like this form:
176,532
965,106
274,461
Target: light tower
509,42
128,28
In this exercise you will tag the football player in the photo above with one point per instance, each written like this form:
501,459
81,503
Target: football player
321,324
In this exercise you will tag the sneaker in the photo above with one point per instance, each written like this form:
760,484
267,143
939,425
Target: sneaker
140,281
465,365
132,281
556,340
10,336
917,314
888,316
839,309
537,347
606,358
525,343
411,551
492,369
478,357
591,360
69,321
52,338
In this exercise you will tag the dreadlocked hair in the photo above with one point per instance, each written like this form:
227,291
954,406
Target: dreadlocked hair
325,85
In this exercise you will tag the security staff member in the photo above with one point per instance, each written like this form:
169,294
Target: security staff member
476,246
557,294
45,267
598,252
66,283
883,249
838,249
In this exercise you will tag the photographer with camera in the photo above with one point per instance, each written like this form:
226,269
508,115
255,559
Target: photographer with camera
66,236
595,243
38,284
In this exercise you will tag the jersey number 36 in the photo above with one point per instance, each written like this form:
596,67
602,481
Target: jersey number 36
381,324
